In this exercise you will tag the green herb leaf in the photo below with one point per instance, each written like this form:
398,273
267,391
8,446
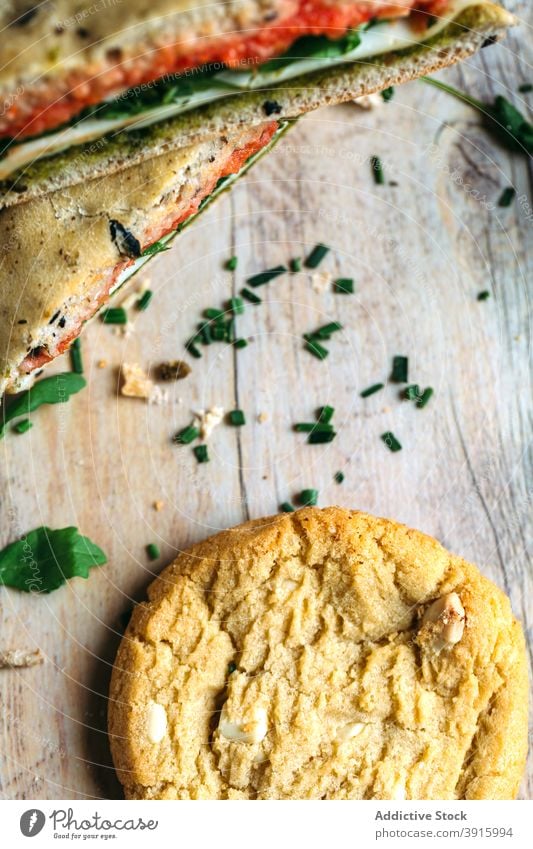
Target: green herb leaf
308,497
44,559
321,434
155,248
201,453
338,477
153,551
266,276
483,296
237,418
343,286
400,369
316,256
500,117
187,435
23,427
388,93
144,300
424,398
377,170
114,315
52,390
295,264
315,47
371,389
286,507
391,442
250,296
325,414
231,264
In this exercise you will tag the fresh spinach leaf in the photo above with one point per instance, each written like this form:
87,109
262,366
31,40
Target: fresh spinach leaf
45,559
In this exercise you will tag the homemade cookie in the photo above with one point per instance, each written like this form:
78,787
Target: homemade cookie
324,654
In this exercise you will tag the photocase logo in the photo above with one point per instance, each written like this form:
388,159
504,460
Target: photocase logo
32,822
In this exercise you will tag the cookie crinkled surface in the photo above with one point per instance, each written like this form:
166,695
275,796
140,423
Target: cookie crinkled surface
324,654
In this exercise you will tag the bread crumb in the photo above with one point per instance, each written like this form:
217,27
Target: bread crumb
369,101
102,363
20,658
321,281
136,383
159,505
208,420
262,417
158,396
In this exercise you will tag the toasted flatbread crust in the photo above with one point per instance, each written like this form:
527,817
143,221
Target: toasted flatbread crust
315,619
303,94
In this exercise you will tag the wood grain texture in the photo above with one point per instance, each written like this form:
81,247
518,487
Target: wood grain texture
419,251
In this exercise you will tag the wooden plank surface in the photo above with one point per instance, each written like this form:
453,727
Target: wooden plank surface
419,251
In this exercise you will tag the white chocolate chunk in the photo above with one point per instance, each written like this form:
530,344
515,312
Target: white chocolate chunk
156,722
239,731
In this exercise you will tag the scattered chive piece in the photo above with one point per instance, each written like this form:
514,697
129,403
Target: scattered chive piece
240,343
75,357
286,507
23,426
187,435
266,276
231,667
388,93
371,389
295,264
304,427
412,393
377,170
343,286
319,436
483,296
316,256
338,477
250,296
231,264
201,453
328,329
308,497
525,88
424,398
400,369
317,350
213,314
152,551
218,332
144,300
229,335
237,418
507,197
325,414
205,334
114,315
236,306
391,442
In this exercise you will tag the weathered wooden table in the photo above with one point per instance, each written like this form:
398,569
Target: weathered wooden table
420,251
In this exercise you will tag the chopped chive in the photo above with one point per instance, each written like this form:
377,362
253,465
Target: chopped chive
325,414
400,369
201,453
483,296
229,334
23,426
205,334
326,330
308,497
144,300
231,667
338,477
424,398
187,435
237,418
412,393
218,332
525,88
320,436
266,276
250,296
286,507
152,551
391,442
316,256
236,306
213,314
370,390
317,350
377,170
343,286
240,343
114,315
231,264
388,93
295,264
304,427
76,360
507,197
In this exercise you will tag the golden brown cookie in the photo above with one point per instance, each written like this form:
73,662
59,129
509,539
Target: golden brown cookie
324,654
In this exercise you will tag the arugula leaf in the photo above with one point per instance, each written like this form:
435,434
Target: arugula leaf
316,47
44,559
155,248
500,117
52,390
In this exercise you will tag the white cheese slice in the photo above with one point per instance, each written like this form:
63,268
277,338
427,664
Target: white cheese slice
380,39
